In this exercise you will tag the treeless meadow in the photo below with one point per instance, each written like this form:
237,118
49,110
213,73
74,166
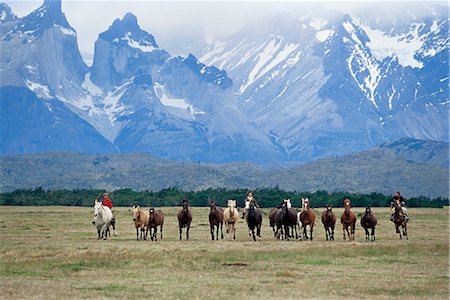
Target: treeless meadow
53,253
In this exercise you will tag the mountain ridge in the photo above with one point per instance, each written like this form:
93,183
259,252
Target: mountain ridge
306,87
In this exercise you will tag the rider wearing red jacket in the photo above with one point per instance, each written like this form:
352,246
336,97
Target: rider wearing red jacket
106,201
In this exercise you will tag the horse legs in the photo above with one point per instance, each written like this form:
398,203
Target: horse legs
286,232
104,232
367,234
211,228
155,233
221,230
373,234
327,232
397,230
187,231
405,233
181,230
332,233
258,231
113,223
98,231
305,233
160,231
311,228
343,231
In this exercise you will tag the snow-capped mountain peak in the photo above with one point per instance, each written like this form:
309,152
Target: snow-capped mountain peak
127,30
46,16
6,14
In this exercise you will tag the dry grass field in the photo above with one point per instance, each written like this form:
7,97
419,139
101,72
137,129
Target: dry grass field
53,253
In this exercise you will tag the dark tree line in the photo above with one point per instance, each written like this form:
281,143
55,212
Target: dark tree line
267,197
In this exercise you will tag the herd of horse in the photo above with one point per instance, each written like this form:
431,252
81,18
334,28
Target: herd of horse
284,220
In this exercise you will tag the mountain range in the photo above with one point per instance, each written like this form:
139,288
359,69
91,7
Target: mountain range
304,87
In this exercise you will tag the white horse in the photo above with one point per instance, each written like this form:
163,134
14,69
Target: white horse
102,219
231,216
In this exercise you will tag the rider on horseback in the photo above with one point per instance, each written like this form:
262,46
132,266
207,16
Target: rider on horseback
399,199
249,200
108,203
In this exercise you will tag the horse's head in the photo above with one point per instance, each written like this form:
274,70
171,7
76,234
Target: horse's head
368,209
231,203
247,205
151,213
136,212
347,205
305,203
329,207
97,208
212,205
185,205
288,203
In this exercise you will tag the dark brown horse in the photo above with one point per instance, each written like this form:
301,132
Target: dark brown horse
285,220
155,219
369,221
184,218
307,218
348,219
329,221
254,221
400,220
215,220
272,219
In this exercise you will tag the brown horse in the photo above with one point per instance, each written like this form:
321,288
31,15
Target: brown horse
400,220
140,218
155,219
215,220
307,218
369,221
348,219
184,218
329,221
272,219
230,217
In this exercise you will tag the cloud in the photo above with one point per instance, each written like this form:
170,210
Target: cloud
185,26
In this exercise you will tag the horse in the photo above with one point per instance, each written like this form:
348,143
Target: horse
307,218
368,220
400,220
140,218
102,219
231,216
155,219
273,220
184,218
329,221
215,220
348,219
285,219
254,220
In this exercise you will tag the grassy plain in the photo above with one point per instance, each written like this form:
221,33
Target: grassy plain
53,253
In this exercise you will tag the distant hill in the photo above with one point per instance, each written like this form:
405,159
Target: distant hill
430,152
378,170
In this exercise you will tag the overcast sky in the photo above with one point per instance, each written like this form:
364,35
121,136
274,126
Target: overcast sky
176,25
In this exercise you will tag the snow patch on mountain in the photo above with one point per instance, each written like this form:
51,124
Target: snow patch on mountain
42,91
143,45
323,35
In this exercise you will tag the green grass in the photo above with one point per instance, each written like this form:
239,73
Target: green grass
53,253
